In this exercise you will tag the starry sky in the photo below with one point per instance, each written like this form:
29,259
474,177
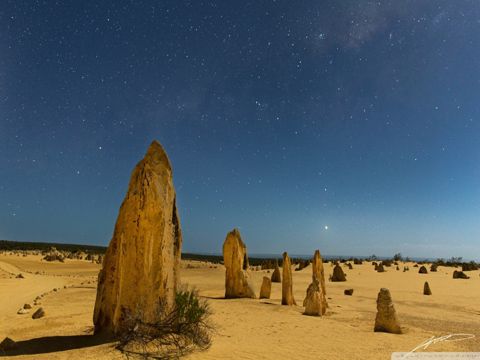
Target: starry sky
350,126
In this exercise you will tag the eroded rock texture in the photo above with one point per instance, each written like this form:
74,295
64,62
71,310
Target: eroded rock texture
276,277
287,284
235,260
426,289
140,270
386,319
338,274
317,270
423,270
266,288
315,300
318,273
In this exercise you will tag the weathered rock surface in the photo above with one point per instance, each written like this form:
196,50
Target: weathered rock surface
23,311
318,273
140,271
338,274
348,292
287,284
38,314
314,301
266,288
426,289
460,275
380,268
276,277
423,270
235,259
386,319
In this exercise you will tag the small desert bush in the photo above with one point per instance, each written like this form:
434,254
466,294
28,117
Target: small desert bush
469,266
177,332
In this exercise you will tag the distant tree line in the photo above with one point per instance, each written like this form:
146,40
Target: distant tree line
8,245
265,263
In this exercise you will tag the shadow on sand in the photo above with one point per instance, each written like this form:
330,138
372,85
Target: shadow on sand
214,297
49,344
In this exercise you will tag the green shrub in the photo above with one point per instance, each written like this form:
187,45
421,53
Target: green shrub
177,331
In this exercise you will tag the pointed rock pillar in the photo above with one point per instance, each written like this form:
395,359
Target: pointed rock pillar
276,277
338,274
426,289
287,285
235,259
140,271
314,301
266,288
318,273
386,319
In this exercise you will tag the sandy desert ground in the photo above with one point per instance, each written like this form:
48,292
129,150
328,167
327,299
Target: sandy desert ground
246,328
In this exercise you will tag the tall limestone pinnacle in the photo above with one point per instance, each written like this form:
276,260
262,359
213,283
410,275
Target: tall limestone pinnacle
318,274
141,266
318,271
235,259
287,283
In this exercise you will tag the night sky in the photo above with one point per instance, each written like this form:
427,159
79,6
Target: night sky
349,126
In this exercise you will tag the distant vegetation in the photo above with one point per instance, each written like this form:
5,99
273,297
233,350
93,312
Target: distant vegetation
216,259
457,262
397,257
265,263
7,245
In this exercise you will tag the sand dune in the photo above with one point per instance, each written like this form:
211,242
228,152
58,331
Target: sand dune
246,328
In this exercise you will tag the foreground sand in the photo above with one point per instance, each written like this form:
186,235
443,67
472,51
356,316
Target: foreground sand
247,329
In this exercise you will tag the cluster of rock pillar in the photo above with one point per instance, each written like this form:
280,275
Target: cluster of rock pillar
140,272
315,303
237,279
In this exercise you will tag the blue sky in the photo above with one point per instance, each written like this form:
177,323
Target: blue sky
280,118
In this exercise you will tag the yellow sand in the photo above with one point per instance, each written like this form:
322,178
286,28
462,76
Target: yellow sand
246,328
